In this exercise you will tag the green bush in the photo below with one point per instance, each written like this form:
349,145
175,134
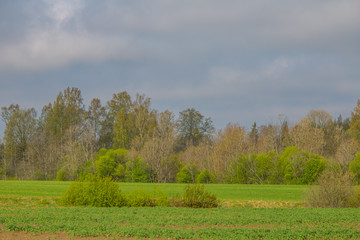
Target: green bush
205,177
195,196
93,191
61,175
354,167
140,198
143,198
184,176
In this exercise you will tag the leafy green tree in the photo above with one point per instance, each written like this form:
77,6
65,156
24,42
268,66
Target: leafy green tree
354,167
137,171
314,166
205,177
192,127
303,167
238,171
184,176
115,124
110,163
67,110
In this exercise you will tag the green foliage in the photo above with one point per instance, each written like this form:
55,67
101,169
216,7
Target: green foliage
2,172
303,167
109,163
143,198
137,171
205,177
196,196
61,175
140,198
184,176
354,167
93,191
313,168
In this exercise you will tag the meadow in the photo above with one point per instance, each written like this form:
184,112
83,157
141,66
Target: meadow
248,212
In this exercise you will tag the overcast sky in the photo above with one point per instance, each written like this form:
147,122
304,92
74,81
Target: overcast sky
233,60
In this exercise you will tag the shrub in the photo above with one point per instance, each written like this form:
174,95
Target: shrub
354,167
61,175
196,196
143,198
184,176
205,177
93,191
334,190
140,198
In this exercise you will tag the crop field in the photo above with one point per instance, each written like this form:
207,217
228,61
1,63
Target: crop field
28,211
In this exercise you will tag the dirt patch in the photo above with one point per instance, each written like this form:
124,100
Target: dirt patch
261,204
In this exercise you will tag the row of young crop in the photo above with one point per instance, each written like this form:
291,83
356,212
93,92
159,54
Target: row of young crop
164,222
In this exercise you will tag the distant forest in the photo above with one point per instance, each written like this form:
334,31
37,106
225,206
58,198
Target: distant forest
128,140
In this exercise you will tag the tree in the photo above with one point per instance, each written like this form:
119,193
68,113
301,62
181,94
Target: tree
96,115
267,139
159,148
20,128
67,110
78,146
110,163
144,120
229,144
117,128
1,158
284,137
137,171
308,137
302,167
319,118
192,127
253,137
355,122
354,167
346,152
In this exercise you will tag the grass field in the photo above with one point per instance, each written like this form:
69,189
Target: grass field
223,191
27,210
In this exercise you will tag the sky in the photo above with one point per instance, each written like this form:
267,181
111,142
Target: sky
236,61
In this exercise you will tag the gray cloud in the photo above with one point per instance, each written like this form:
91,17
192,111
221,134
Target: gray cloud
234,60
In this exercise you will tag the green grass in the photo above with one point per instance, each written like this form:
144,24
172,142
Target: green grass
29,206
179,223
223,191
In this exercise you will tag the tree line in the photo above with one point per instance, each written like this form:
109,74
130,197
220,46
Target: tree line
127,139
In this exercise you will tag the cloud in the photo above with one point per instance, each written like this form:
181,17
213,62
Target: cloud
63,10
175,31
54,49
